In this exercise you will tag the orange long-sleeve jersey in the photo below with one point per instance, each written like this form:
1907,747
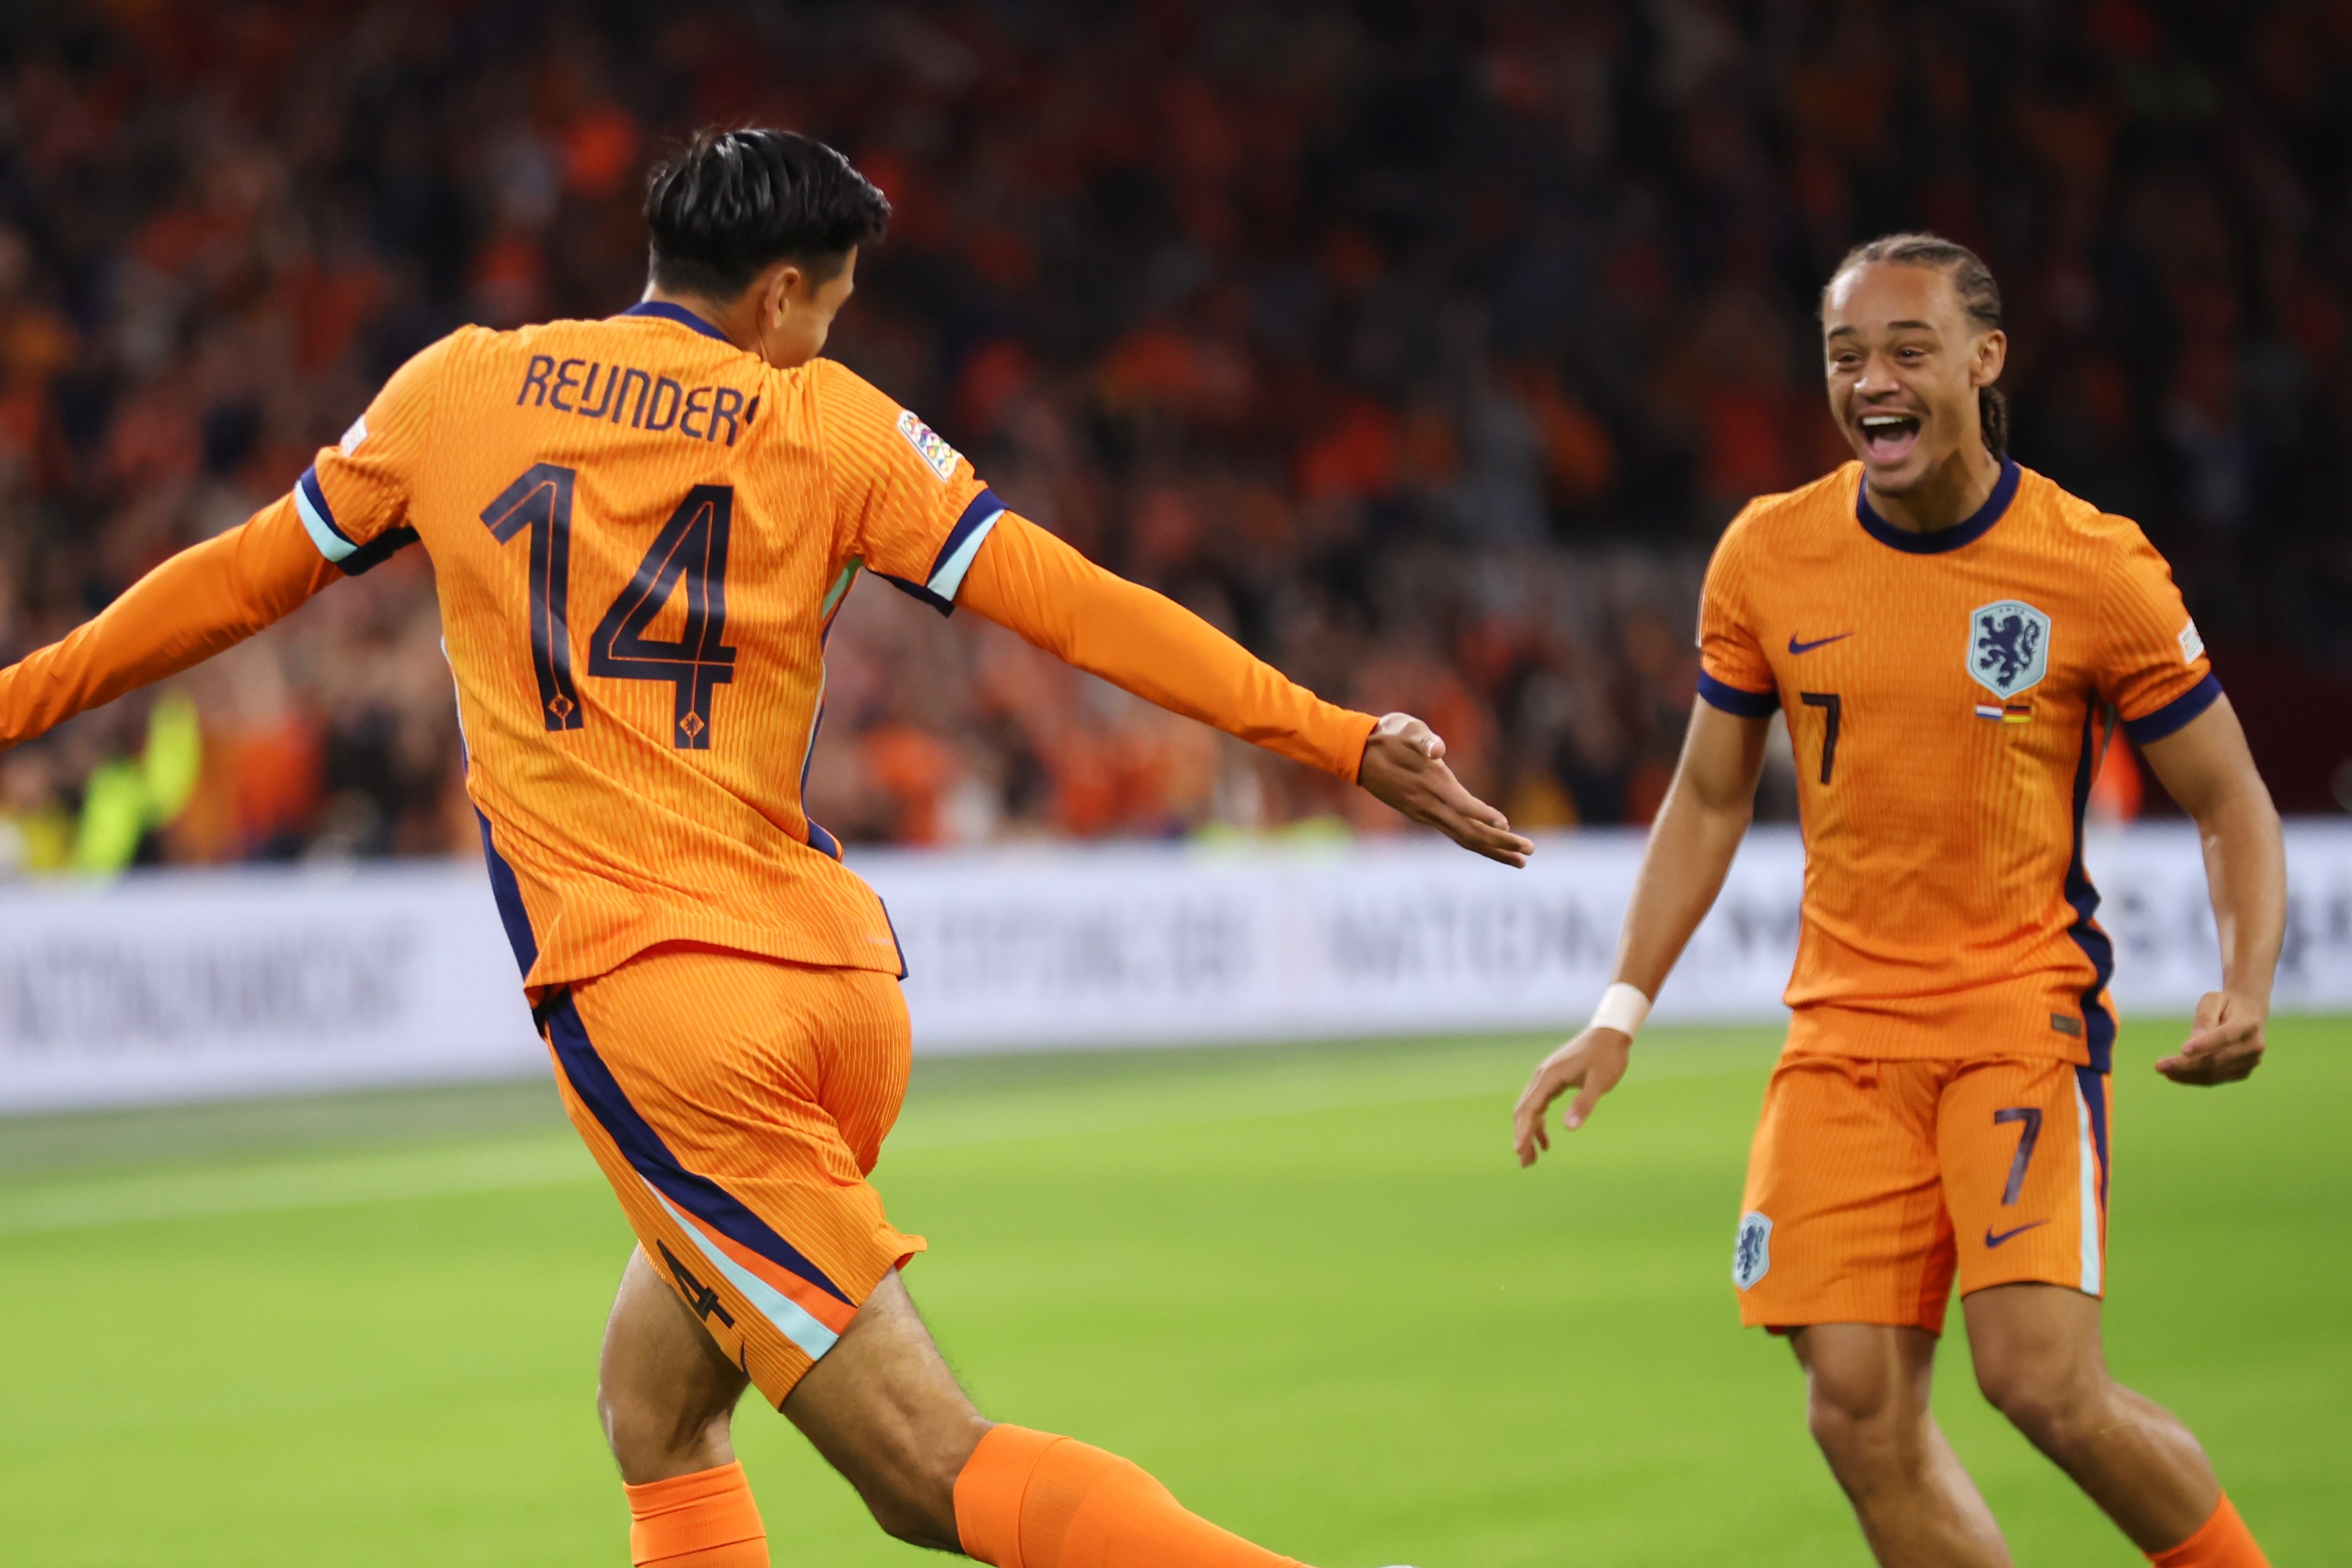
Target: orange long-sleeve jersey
640,535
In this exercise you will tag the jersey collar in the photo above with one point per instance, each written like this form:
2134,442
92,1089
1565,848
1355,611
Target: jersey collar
677,314
2004,490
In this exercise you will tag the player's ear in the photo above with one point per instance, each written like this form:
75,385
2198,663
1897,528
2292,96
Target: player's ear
777,304
1992,355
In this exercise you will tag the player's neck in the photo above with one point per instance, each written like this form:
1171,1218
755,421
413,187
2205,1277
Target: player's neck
1952,494
732,320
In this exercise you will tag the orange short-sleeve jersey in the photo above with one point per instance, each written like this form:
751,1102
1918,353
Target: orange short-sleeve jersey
1945,694
640,534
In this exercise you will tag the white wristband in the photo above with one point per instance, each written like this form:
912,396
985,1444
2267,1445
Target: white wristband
1622,1008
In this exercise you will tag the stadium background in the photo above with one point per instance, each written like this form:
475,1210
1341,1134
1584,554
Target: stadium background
1424,347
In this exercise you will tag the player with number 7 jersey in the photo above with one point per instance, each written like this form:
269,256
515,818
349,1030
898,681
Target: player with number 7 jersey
641,530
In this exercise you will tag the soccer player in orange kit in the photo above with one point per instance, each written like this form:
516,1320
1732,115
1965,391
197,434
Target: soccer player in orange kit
640,530
1949,638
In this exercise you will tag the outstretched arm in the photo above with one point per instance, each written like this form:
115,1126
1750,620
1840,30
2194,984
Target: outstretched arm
1026,580
2207,768
205,598
1705,813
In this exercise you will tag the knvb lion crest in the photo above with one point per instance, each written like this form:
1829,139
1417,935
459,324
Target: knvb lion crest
2009,646
1751,1254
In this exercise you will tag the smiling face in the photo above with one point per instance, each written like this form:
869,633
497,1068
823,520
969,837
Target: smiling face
1905,363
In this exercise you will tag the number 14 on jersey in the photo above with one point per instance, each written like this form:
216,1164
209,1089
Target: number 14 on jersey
689,551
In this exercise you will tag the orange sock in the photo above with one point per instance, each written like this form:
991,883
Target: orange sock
707,1520
1030,1499
2221,1542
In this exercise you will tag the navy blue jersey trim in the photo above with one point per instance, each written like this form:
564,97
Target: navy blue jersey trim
698,1194
2087,1080
824,843
678,313
2174,714
508,897
916,591
377,550
317,496
894,935
1736,699
983,507
2099,1024
1978,524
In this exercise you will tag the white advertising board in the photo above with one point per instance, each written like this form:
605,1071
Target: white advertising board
1077,948
199,984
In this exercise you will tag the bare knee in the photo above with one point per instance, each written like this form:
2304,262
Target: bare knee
911,1492
664,1394
2039,1362
653,1438
2057,1405
1859,1425
1867,1408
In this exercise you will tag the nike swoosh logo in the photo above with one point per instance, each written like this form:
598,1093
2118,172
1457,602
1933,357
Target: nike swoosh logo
1993,1240
1796,647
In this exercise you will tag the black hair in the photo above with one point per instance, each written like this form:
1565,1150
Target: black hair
1972,281
729,203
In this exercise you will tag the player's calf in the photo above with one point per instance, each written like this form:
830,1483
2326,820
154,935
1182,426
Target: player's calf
2039,1360
884,1409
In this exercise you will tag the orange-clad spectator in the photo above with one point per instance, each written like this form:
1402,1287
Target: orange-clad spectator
600,152
1355,455
1579,458
915,769
1239,319
2117,789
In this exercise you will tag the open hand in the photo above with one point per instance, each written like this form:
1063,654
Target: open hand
2225,1046
1405,767
1590,1064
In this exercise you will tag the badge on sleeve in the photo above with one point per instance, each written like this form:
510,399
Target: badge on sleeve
928,446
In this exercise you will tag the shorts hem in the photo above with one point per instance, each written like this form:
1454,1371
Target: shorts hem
1786,1322
1967,1291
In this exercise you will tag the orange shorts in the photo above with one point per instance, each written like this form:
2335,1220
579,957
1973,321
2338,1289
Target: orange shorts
736,1104
1872,1182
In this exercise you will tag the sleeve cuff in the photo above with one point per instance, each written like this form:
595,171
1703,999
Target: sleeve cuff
319,518
1355,735
1733,700
2174,714
956,552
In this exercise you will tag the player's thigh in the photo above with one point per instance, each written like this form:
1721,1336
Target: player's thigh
697,1080
885,1411
1844,1220
2022,1146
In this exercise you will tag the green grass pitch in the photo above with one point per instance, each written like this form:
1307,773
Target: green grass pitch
1305,1286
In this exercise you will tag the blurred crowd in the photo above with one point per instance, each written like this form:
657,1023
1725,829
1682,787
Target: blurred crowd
1424,347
